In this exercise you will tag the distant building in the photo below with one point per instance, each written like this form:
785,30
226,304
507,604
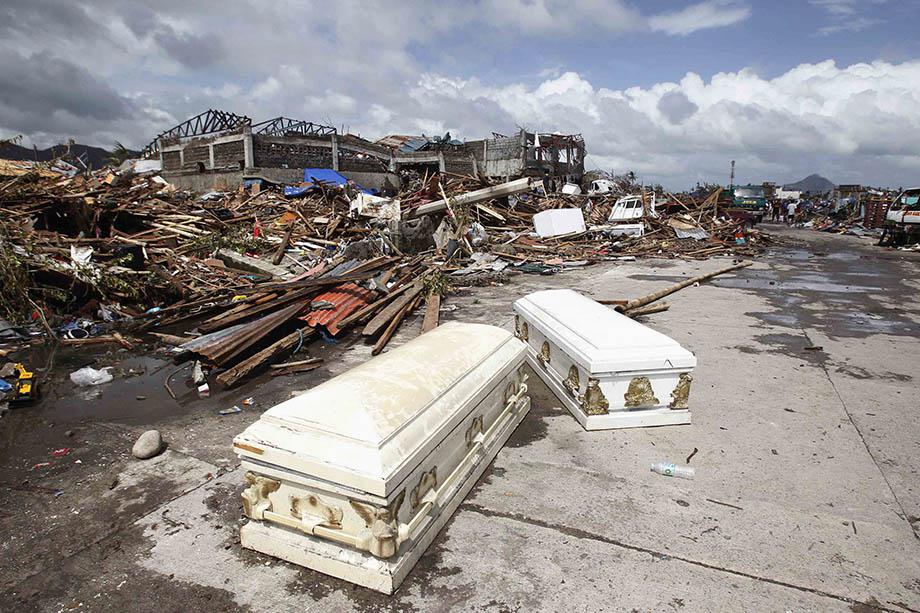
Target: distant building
782,194
217,148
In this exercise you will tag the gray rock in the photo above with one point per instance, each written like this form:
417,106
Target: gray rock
148,445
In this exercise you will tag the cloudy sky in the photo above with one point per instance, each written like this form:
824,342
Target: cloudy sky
672,89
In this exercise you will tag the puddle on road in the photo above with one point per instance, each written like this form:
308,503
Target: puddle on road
137,395
845,286
810,282
135,376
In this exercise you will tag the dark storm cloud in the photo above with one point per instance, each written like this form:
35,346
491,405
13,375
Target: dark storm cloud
191,50
676,107
45,17
41,85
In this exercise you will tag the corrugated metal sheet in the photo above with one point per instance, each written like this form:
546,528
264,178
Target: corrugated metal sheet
346,298
696,233
224,346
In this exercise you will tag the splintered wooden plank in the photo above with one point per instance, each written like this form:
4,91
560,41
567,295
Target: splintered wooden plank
384,317
232,376
391,328
432,313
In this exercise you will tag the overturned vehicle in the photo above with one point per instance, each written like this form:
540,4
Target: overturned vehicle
902,222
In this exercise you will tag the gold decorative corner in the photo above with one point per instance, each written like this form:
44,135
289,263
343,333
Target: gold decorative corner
520,328
474,429
510,389
594,402
383,525
255,497
544,353
640,394
428,481
312,505
571,382
680,397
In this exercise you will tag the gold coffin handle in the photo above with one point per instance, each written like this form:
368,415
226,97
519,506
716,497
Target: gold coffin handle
406,531
433,496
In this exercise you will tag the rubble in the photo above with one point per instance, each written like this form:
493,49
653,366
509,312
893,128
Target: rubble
243,277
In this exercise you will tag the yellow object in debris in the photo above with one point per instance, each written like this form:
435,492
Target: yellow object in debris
25,384
237,298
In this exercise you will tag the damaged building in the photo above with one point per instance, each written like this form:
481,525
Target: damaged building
219,149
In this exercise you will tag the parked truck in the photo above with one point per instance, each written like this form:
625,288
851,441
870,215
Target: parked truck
743,203
902,222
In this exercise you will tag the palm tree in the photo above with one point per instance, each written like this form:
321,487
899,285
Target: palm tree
119,154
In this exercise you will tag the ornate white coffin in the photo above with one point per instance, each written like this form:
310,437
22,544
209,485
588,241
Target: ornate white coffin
608,370
356,477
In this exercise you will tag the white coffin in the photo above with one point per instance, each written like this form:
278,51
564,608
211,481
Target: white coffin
355,477
608,370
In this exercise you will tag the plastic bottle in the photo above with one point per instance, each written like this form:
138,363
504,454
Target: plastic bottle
673,470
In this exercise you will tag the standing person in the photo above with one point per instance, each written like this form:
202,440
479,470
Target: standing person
775,206
790,211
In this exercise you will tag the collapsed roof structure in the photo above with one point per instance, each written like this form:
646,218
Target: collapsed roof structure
220,148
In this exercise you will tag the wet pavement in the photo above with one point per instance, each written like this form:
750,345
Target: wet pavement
806,495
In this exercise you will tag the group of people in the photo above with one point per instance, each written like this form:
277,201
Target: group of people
784,211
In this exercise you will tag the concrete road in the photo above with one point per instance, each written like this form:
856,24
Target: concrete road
806,496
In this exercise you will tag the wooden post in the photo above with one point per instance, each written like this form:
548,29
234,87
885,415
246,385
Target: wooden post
279,255
432,312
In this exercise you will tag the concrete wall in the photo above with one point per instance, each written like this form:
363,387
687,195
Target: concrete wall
500,157
225,151
229,154
373,180
282,158
291,152
208,181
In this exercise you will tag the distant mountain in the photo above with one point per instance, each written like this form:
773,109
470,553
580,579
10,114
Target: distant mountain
815,184
95,157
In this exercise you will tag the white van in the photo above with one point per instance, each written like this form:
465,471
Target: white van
627,208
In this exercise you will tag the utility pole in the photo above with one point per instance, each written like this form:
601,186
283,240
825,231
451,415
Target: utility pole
731,179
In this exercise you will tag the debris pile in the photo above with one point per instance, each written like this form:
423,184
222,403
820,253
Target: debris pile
243,278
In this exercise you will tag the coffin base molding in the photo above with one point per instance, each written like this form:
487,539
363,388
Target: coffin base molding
613,420
382,575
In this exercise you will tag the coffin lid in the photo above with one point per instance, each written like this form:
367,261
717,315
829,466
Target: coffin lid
598,338
367,428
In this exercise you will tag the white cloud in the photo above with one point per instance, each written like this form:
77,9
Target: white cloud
850,24
815,117
265,90
330,101
562,15
856,123
701,16
840,8
846,15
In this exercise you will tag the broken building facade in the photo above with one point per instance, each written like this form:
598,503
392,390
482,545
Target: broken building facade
220,149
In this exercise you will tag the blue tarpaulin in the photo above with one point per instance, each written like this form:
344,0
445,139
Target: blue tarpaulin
322,175
296,190
326,175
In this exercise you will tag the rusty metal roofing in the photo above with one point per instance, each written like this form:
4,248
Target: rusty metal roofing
346,299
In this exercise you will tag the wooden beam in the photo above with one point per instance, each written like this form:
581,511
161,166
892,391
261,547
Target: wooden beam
432,313
279,255
232,376
391,328
390,311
